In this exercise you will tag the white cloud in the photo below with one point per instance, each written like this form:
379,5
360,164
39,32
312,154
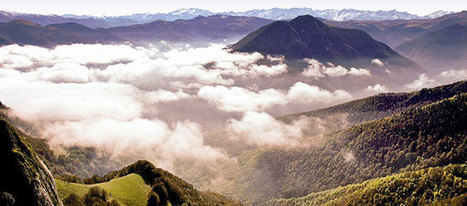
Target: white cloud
260,128
304,93
377,62
165,96
317,70
422,82
455,74
377,88
359,72
237,99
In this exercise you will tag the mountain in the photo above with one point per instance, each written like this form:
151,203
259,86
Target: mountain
396,32
98,35
331,14
24,32
429,133
190,13
218,27
432,186
198,30
6,16
308,37
25,179
447,46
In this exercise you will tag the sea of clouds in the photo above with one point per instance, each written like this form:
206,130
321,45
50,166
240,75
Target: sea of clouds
164,103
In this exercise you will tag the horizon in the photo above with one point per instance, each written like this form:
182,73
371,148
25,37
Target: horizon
121,8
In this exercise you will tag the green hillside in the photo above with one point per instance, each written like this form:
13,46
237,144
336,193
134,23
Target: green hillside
437,186
417,138
133,184
127,190
385,104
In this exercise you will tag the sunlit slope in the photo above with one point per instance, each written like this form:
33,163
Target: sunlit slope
127,190
436,186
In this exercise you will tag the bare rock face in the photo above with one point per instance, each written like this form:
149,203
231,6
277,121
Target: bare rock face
25,180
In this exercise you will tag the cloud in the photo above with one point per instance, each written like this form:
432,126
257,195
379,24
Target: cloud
454,74
304,93
158,102
260,128
377,88
236,99
165,96
422,82
317,70
377,62
142,138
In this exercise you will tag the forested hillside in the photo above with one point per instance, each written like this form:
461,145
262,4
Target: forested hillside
432,186
421,137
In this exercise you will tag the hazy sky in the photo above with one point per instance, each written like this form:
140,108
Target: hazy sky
118,7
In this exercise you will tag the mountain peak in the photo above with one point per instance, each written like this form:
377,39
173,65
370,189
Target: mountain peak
307,37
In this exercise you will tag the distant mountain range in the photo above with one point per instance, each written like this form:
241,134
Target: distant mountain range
447,46
274,14
199,29
307,37
397,32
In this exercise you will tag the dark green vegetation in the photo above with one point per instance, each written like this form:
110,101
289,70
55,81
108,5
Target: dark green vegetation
422,136
447,46
95,196
307,37
433,186
25,179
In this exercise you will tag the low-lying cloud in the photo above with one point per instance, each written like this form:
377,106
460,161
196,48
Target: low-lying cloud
318,70
159,102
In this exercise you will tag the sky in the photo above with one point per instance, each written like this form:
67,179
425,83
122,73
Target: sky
121,7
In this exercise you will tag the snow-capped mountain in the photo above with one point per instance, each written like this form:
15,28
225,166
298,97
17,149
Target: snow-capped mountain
331,14
437,14
275,14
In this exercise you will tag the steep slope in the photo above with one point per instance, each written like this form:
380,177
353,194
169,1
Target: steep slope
447,46
23,32
421,137
434,186
24,176
308,37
